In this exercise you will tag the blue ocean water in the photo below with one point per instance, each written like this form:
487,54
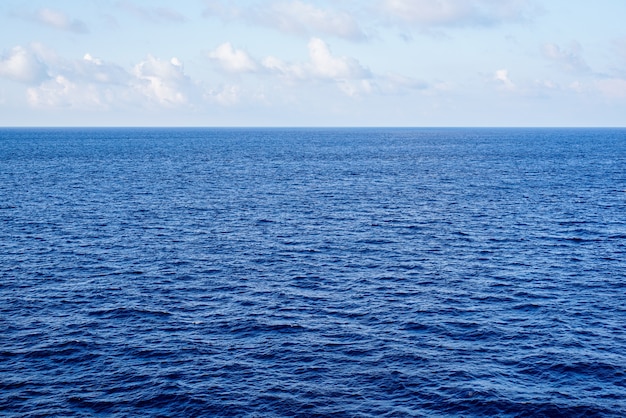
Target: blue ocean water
312,272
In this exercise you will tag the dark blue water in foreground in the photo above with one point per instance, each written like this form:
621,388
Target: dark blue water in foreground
301,272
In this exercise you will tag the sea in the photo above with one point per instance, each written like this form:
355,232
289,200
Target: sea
312,272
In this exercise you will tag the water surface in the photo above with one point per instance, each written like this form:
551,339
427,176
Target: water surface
312,272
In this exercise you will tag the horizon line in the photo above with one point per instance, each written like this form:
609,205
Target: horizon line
313,127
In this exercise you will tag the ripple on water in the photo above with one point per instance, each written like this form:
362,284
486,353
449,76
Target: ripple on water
304,272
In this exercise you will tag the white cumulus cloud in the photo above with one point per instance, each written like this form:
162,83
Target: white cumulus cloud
62,92
347,73
163,82
89,83
233,60
504,81
93,83
322,65
21,64
96,70
325,65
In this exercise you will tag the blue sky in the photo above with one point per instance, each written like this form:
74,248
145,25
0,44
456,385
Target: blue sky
313,63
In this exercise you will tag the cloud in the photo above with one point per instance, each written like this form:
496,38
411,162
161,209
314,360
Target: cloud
355,88
163,82
352,78
346,72
501,77
62,92
86,83
576,86
89,68
325,18
325,65
288,71
22,65
226,95
537,88
97,71
322,65
233,60
96,84
388,84
451,13
304,19
294,17
151,14
569,59
58,20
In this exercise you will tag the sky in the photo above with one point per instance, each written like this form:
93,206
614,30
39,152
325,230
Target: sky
313,63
